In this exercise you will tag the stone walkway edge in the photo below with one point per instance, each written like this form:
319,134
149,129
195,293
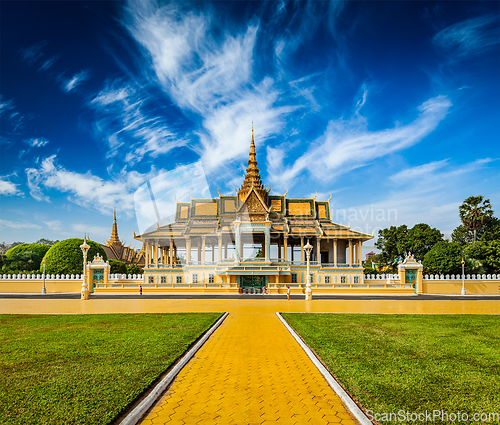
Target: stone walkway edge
344,396
136,415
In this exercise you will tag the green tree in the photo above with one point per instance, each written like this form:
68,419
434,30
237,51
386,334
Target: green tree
444,258
475,212
25,257
395,242
488,253
491,231
117,267
46,241
66,257
134,269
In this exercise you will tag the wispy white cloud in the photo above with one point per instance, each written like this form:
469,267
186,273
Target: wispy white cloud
128,127
93,232
17,225
33,53
87,190
431,192
75,81
54,225
8,188
37,142
348,144
470,37
209,75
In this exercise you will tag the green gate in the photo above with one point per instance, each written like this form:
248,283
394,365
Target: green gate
97,277
411,278
252,281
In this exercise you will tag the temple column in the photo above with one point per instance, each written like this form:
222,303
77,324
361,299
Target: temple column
318,247
171,260
293,255
268,244
335,253
350,252
279,251
225,250
175,254
188,250
146,250
360,254
237,237
203,246
155,254
302,249
220,248
285,246
213,250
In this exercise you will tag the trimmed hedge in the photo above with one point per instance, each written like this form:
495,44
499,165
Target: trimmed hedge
117,267
20,253
66,257
40,249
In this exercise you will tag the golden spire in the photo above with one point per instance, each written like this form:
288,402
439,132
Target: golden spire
252,176
114,233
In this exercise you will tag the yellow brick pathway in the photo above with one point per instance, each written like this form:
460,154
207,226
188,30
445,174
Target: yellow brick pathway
250,371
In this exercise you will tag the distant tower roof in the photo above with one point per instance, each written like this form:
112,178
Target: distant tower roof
252,176
114,240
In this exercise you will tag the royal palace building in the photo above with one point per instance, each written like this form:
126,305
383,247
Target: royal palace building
251,242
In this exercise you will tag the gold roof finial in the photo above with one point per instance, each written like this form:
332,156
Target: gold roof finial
252,176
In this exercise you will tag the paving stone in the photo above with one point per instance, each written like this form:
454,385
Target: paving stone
250,371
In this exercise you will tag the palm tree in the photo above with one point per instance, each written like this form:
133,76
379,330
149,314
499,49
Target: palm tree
474,213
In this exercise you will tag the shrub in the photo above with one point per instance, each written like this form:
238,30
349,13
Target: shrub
26,256
444,258
66,256
134,269
487,252
117,267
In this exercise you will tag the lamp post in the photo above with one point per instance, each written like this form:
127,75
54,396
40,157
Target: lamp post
308,248
463,277
85,249
44,291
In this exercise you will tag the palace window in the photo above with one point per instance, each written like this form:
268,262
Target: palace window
151,279
195,277
163,279
356,279
178,279
327,279
294,277
342,279
211,278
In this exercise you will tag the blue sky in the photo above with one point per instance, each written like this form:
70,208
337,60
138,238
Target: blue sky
393,108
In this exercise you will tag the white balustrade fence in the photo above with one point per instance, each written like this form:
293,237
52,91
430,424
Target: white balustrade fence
459,277
40,277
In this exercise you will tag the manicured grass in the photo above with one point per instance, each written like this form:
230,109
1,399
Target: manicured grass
85,369
410,362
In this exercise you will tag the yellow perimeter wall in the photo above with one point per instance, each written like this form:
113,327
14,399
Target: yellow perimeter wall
30,286
472,287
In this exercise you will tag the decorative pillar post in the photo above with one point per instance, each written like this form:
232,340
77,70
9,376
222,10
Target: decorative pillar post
360,251
85,249
350,252
302,249
188,250
220,247
155,253
203,249
268,244
170,251
335,253
308,249
285,247
318,250
279,251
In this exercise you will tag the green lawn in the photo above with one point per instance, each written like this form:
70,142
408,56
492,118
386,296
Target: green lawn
410,362
85,369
